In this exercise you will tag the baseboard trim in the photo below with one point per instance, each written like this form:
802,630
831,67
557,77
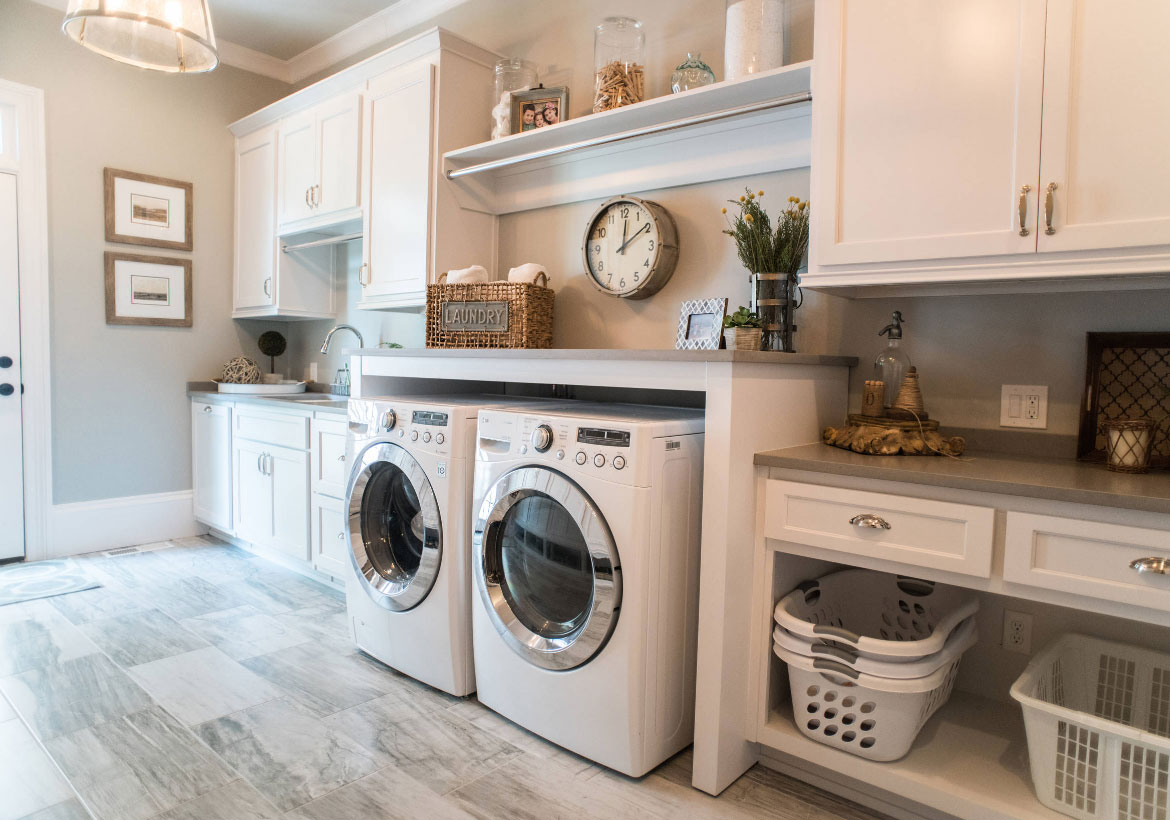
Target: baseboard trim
107,523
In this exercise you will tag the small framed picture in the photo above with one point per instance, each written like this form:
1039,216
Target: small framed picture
700,324
147,290
538,108
146,210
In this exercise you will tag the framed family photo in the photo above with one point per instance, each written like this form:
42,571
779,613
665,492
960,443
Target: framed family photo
147,290
147,210
538,107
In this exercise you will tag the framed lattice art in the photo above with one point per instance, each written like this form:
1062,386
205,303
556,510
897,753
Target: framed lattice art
1127,376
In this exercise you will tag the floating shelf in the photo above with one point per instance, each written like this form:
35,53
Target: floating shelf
731,129
970,761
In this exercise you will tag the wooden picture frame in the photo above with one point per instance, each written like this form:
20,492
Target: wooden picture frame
148,290
700,324
1127,375
147,210
539,99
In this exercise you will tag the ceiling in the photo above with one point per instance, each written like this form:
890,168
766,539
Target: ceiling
285,28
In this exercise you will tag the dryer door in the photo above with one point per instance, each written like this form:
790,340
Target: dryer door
395,533
546,568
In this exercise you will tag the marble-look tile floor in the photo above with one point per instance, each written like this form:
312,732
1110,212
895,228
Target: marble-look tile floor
204,683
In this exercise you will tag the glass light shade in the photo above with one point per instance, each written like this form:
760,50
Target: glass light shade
164,35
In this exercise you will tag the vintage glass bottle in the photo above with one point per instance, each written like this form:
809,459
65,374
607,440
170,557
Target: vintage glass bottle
892,363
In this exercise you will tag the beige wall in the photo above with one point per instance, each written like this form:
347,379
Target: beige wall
120,417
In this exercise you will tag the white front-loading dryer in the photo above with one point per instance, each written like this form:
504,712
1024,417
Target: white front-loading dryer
408,503
585,565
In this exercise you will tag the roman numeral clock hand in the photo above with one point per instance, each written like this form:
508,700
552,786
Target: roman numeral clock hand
645,227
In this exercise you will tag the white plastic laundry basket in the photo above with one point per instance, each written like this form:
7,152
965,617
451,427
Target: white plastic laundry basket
959,641
869,716
1097,714
875,615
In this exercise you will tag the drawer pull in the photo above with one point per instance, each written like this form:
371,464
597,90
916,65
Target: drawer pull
1048,208
341,457
1154,566
207,408
1024,209
869,521
340,536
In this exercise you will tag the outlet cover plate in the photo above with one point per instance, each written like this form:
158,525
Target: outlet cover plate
1024,405
1017,632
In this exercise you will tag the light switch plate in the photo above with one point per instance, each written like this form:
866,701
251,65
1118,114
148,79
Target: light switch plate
1024,405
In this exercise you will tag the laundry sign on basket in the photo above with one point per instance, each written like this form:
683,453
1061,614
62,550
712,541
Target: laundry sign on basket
464,311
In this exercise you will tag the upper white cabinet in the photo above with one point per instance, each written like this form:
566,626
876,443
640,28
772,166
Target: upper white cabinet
1006,140
398,172
319,164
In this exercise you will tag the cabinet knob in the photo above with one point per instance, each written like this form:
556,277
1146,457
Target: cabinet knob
869,521
1049,206
341,457
1024,209
1153,566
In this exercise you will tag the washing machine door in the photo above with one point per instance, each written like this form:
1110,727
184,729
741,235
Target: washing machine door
546,568
395,533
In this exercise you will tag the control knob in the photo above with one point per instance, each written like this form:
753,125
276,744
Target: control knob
389,419
542,438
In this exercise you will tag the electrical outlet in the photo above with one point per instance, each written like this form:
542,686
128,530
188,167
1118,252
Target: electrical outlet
1024,405
1017,632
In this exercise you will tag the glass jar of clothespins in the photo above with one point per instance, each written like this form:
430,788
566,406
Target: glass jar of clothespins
619,49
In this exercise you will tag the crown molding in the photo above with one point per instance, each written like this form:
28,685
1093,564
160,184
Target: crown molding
377,28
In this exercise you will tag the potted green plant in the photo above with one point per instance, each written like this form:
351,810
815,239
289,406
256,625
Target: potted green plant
742,330
772,257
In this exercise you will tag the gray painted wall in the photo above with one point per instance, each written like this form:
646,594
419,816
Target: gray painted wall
120,417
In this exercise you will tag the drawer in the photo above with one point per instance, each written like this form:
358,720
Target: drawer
327,444
281,429
1086,558
914,531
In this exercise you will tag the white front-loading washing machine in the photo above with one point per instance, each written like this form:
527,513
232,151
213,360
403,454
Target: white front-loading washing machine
408,501
586,566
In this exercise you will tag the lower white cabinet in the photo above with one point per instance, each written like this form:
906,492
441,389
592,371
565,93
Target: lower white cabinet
272,496
330,546
211,465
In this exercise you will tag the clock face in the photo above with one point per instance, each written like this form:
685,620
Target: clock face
624,248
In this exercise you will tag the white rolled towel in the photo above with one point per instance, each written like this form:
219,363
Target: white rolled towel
526,272
475,275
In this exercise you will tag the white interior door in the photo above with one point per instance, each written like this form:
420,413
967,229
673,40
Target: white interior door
1106,121
925,129
12,461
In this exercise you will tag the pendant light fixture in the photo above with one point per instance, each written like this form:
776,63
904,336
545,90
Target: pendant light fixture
163,35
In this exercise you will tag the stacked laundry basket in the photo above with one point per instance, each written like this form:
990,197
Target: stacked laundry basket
871,657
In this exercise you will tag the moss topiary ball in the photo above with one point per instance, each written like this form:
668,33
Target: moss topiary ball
272,343
241,370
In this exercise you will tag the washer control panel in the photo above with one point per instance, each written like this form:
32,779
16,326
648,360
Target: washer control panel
576,446
421,428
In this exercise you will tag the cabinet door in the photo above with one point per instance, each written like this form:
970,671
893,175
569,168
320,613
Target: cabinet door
211,464
339,141
253,494
328,457
330,546
1106,121
396,151
926,128
298,166
255,257
290,501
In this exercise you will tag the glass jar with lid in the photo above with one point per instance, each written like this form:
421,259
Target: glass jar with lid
693,73
619,50
512,74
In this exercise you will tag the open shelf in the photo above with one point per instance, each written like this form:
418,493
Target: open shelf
971,761
730,129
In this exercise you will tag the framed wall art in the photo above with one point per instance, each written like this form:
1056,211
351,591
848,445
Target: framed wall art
700,324
147,290
539,107
146,210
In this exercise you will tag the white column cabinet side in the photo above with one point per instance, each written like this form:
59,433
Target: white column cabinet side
211,464
398,167
255,225
926,129
1106,121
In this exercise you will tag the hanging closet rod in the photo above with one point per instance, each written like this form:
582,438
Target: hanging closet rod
329,240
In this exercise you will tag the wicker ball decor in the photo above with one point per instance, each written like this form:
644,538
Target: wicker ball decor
241,370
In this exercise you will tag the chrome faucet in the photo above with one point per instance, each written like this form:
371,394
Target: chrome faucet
329,336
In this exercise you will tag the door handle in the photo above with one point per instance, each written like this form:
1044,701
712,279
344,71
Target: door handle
1024,209
207,408
269,463
259,464
1048,208
340,536
341,457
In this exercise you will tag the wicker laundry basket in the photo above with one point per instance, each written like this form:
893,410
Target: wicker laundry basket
490,315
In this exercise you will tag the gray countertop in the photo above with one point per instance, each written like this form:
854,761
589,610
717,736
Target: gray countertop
1054,479
615,355
310,401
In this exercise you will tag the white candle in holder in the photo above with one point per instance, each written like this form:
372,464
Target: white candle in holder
1129,445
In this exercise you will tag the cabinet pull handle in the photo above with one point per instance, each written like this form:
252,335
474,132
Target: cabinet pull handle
268,287
1024,189
341,457
316,196
259,467
340,536
207,408
1048,208
268,457
361,280
307,192
1153,566
869,521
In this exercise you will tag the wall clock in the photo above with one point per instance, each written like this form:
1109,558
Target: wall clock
631,247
